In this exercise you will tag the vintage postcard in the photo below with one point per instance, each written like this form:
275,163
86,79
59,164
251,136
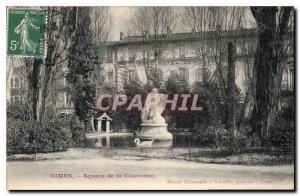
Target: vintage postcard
150,98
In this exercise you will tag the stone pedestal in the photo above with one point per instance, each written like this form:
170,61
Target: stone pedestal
156,131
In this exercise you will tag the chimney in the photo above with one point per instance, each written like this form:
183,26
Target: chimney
121,35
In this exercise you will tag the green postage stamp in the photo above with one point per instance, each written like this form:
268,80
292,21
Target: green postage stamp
26,32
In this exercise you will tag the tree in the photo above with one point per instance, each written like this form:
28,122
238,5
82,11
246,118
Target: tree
270,58
199,20
86,58
33,67
153,24
213,28
60,29
230,121
42,73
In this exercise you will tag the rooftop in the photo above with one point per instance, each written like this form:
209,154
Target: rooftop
183,36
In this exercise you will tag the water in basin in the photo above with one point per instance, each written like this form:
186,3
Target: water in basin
127,141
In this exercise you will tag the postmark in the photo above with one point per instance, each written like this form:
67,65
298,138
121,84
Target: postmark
26,32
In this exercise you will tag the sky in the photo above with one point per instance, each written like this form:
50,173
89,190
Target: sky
120,17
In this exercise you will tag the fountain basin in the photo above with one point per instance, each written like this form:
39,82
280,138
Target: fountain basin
156,131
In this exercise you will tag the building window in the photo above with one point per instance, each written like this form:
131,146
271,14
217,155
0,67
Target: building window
15,82
12,83
132,54
246,48
173,52
182,51
288,80
238,50
110,76
15,99
161,75
109,56
199,75
183,73
285,80
68,99
122,54
130,76
173,73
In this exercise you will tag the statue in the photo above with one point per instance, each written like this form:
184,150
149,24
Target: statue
23,29
153,107
154,127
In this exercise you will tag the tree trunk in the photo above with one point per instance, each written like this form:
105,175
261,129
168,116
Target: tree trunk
45,89
33,74
205,74
265,63
268,64
231,88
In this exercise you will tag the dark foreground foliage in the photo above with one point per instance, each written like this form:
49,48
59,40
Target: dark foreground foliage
30,136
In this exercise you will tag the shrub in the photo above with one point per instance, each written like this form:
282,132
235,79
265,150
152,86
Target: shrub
216,135
283,129
16,134
77,130
203,137
283,133
48,136
17,111
55,136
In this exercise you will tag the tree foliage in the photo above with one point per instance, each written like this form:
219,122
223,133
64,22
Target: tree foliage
84,62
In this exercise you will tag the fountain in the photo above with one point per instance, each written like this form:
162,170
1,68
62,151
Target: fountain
153,125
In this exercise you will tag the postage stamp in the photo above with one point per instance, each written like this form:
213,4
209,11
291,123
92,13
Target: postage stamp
26,32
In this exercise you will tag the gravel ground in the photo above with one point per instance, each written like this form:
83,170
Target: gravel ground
86,165
202,155
141,173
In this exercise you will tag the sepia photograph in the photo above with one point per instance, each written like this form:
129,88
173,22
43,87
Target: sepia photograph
150,98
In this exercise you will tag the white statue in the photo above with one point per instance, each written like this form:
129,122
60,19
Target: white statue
153,107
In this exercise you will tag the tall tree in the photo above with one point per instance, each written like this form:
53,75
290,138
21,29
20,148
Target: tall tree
199,21
231,88
227,23
42,72
213,28
86,55
153,24
60,29
33,70
272,23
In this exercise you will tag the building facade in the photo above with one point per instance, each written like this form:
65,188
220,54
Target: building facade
15,80
182,55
